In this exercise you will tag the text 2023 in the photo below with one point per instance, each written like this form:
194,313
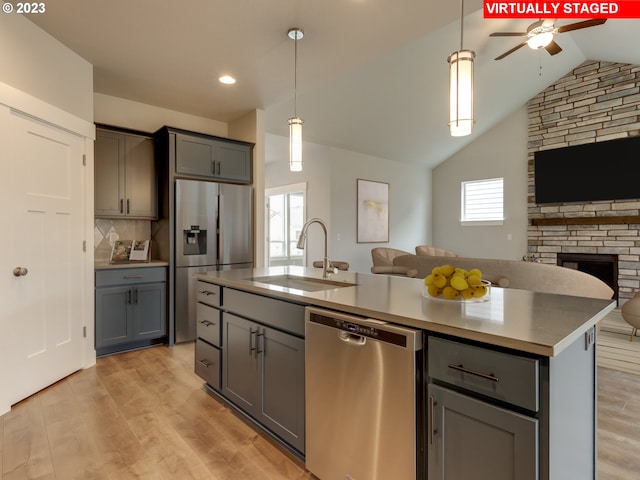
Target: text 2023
34,7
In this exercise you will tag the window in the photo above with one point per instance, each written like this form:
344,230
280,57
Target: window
483,201
285,207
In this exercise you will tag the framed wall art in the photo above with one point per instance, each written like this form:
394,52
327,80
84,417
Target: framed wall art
373,212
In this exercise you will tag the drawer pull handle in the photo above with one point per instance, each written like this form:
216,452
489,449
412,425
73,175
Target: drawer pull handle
207,292
486,376
432,429
206,363
206,323
129,277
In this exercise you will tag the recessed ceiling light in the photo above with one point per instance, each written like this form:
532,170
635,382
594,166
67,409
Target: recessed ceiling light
227,79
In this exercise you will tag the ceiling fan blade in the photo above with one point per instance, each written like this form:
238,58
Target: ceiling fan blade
579,25
508,34
553,48
509,52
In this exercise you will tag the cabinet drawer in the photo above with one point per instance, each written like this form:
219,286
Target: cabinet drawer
208,324
277,313
130,276
208,363
208,293
507,377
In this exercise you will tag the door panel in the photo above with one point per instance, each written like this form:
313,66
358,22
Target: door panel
474,439
240,376
283,385
109,169
44,221
196,223
140,167
150,319
236,224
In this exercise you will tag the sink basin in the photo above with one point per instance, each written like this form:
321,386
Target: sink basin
307,284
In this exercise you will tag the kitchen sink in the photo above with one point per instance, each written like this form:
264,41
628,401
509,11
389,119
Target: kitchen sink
307,284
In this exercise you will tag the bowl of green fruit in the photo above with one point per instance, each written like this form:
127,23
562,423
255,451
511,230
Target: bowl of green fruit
452,284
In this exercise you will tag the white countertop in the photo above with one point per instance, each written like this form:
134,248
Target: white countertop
538,323
151,263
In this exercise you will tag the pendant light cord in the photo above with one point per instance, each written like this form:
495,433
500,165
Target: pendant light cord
461,21
295,75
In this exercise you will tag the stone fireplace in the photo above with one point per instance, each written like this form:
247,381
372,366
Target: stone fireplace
597,101
602,266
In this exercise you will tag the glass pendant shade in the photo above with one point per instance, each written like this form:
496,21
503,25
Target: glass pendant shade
461,92
295,144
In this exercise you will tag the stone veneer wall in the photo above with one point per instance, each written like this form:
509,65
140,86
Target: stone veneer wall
597,101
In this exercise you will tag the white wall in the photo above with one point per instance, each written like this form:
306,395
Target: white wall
124,113
501,152
331,175
34,62
42,77
251,128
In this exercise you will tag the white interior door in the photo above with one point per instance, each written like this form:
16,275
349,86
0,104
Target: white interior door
41,306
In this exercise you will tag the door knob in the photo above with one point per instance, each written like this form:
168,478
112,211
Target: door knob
20,271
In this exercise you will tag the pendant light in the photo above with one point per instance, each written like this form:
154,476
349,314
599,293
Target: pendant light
295,122
461,87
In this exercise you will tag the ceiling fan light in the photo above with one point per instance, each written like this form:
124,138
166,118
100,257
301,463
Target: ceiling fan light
540,40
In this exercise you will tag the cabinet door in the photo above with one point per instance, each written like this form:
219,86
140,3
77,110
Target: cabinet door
195,155
140,177
233,161
469,438
109,174
149,313
113,311
240,374
282,370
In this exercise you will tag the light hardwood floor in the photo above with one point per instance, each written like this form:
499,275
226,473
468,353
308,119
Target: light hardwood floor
144,415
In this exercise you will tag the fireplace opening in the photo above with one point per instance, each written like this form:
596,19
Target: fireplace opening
602,266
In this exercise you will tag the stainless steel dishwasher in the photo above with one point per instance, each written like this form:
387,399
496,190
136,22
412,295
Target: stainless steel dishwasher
364,398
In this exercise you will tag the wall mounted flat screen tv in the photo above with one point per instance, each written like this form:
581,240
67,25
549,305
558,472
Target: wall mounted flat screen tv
590,172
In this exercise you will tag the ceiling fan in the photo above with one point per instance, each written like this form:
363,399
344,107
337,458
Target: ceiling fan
540,35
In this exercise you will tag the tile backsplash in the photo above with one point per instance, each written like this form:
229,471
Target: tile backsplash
108,231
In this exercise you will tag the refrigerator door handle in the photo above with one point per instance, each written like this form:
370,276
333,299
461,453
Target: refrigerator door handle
220,224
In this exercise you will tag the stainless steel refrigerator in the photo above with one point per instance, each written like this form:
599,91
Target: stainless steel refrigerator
213,231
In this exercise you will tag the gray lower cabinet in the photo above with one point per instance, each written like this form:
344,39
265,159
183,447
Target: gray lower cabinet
130,308
501,414
263,374
250,350
470,438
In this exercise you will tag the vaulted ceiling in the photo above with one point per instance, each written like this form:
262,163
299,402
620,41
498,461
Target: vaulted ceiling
372,74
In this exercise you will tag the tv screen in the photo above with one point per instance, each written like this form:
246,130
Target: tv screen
590,172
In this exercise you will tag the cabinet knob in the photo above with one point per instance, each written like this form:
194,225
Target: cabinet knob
20,271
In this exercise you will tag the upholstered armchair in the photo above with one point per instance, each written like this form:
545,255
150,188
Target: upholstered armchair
630,311
382,258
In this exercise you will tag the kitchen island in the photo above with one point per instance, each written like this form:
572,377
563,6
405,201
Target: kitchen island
537,352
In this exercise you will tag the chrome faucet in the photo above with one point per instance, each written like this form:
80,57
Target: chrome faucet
303,238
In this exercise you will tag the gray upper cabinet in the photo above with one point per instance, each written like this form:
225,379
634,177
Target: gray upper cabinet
219,159
125,175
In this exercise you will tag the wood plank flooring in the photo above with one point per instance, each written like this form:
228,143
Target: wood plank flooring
137,415
615,351
144,415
